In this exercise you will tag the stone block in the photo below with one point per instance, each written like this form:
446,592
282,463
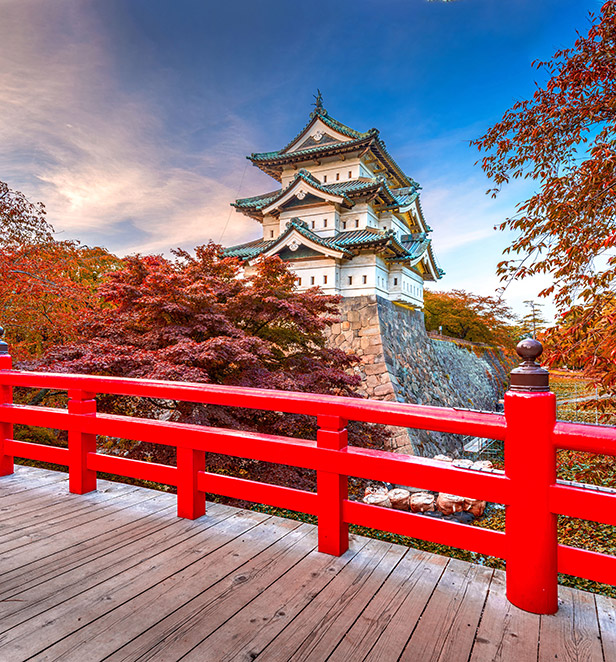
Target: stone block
345,326
383,390
375,369
368,331
373,381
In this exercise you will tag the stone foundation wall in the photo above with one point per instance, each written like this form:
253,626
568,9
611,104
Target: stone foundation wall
399,361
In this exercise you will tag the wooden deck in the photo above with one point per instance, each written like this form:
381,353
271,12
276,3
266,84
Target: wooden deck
115,575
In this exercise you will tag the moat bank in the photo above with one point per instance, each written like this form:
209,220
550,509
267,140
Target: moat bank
399,361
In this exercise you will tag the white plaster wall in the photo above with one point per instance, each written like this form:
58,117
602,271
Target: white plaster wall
361,216
323,220
328,169
321,272
405,285
271,227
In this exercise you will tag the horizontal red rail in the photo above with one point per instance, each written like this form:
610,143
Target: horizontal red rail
598,439
529,430
583,503
358,462
439,419
483,541
250,490
38,452
586,564
123,466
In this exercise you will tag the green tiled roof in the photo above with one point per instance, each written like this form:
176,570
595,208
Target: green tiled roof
322,114
344,242
342,189
308,151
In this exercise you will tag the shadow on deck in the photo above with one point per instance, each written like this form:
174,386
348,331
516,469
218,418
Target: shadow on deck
115,575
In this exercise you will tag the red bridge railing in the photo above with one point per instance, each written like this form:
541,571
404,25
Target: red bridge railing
528,428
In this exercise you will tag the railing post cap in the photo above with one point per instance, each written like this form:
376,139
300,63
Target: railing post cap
4,348
529,376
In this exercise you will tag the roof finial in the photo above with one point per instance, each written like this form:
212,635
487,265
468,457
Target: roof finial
318,104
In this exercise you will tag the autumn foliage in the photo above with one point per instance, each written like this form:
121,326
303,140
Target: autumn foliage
45,285
192,318
564,138
480,319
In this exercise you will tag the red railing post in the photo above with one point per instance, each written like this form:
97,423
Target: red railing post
530,464
6,398
191,501
332,489
80,479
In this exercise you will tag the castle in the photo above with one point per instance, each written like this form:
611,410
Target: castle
345,218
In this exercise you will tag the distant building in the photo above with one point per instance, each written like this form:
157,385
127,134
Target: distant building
346,217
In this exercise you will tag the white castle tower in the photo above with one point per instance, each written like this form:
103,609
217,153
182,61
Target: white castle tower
345,216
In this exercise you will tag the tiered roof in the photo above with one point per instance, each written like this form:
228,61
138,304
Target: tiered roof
391,190
410,248
347,192
273,163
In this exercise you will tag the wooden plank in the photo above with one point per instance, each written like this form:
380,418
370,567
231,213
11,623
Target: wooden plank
42,539
19,486
23,477
110,607
245,631
146,517
398,603
60,512
505,633
207,551
573,632
203,607
606,614
64,539
25,603
319,627
447,627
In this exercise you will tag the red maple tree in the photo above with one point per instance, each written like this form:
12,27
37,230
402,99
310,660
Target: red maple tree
193,318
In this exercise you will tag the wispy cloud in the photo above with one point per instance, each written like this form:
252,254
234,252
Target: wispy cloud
99,156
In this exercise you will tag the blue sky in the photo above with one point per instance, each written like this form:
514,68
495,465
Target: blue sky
131,119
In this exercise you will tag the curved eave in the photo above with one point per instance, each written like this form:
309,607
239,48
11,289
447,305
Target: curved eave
322,115
272,163
304,181
308,238
379,151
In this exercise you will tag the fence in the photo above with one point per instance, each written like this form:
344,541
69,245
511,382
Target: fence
528,427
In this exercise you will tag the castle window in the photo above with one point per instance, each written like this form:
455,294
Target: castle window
312,280
324,222
312,225
337,176
357,223
325,179
324,280
395,281
350,280
344,225
299,282
365,279
350,174
271,233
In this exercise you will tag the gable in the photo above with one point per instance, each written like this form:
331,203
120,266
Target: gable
301,251
319,133
308,199
316,141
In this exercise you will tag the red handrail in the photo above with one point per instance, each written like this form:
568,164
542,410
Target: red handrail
528,428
